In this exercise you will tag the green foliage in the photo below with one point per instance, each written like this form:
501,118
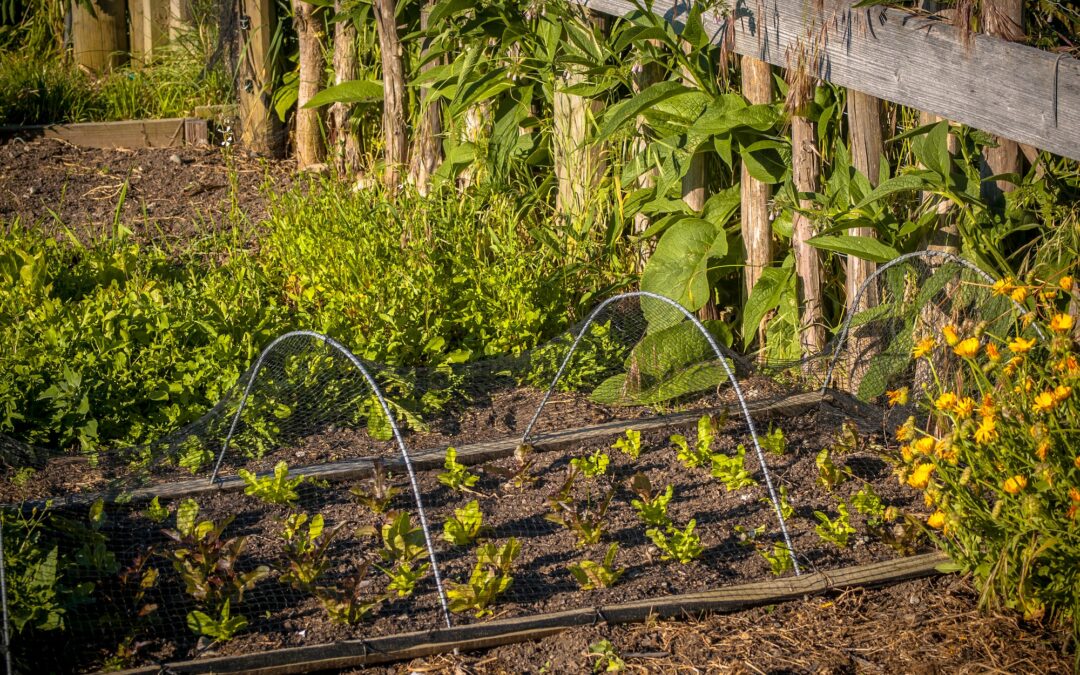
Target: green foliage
701,454
306,542
774,441
402,545
682,545
465,526
592,466
585,518
779,558
835,530
275,489
786,509
829,474
221,628
868,503
456,476
379,494
155,512
630,444
348,604
607,659
651,508
591,575
490,578
732,470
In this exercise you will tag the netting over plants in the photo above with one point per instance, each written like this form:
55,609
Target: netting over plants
325,498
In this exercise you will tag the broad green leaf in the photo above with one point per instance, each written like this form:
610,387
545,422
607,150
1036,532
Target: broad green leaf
618,115
763,162
765,296
353,91
678,269
447,9
908,182
866,248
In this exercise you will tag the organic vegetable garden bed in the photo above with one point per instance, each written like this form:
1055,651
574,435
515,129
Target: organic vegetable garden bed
737,530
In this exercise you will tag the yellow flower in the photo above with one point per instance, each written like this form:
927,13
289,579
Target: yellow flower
993,353
1062,392
1074,494
1066,283
1061,323
1015,484
1076,462
906,431
1019,294
950,335
897,397
924,347
924,445
1011,366
967,349
905,452
920,476
986,409
1043,450
936,520
964,407
1003,286
987,431
1019,345
946,401
1069,363
1044,402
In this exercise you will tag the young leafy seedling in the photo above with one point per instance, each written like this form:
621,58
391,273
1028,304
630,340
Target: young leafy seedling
591,575
346,604
786,509
829,474
779,558
868,503
380,491
748,537
306,542
276,489
835,530
680,545
651,508
585,519
465,526
402,545
490,578
701,454
456,476
155,512
592,466
732,470
520,475
774,441
222,627
629,444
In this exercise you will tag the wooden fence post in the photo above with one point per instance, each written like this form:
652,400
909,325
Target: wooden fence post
149,28
579,164
1004,19
344,145
99,38
864,132
756,228
309,139
644,76
394,118
426,153
260,129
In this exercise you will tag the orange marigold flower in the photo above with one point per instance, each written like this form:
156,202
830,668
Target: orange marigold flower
1044,402
905,452
1019,345
1015,484
967,349
936,520
1043,449
1069,363
964,407
1061,323
993,353
1076,462
1066,283
1062,392
986,431
1074,494
950,335
1019,294
924,347
1003,286
920,476
946,401
897,397
1014,362
986,408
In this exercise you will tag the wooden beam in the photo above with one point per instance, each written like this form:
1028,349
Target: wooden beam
469,454
166,133
1008,89
353,653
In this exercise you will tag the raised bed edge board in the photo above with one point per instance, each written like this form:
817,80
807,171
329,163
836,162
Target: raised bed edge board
469,454
353,653
174,132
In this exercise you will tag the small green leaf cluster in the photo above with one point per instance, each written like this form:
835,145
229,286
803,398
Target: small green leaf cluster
651,508
347,604
490,578
835,530
779,558
592,466
829,474
155,512
585,518
732,470
868,503
701,454
682,545
402,546
465,526
774,441
275,489
379,492
306,541
591,575
457,476
629,444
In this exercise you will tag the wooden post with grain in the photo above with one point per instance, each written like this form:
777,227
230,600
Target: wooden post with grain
99,34
344,144
756,227
309,139
394,119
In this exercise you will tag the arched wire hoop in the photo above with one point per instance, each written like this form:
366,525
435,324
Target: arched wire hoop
393,426
944,255
731,378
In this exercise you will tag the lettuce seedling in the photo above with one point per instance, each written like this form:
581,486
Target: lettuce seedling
732,470
380,493
629,444
490,578
585,519
701,454
465,526
651,508
592,466
591,575
835,530
276,489
402,545
680,545
456,476
306,542
520,475
346,604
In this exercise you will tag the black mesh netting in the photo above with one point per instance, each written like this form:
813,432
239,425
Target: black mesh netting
619,462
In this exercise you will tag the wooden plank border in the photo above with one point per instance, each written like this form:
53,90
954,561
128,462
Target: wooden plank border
470,454
353,653
165,133
1008,89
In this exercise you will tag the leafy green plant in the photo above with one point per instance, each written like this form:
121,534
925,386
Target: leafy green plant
829,474
701,454
774,441
490,578
592,466
748,537
732,470
306,542
779,558
607,659
786,509
465,526
380,492
155,512
682,545
868,503
591,575
835,530
208,565
456,476
584,518
347,604
651,508
275,489
629,444
402,545
520,474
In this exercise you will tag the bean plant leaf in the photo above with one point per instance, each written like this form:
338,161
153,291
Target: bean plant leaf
618,115
352,91
765,296
867,248
678,269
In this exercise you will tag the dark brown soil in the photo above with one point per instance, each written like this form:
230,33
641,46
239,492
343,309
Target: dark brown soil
166,201
925,626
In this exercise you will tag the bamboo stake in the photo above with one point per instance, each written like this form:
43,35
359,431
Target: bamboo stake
643,77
